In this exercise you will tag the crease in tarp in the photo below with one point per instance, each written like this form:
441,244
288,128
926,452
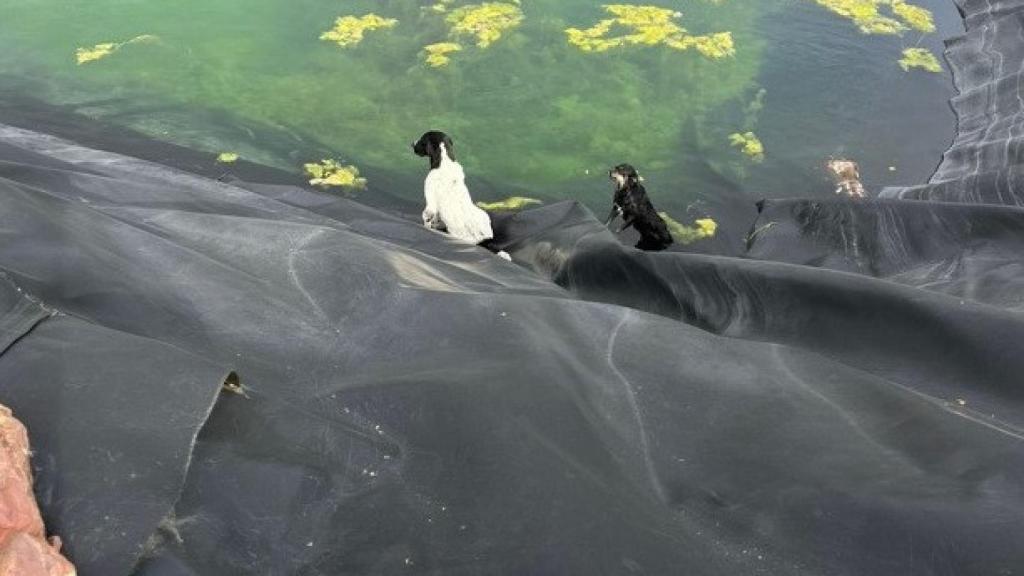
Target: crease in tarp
316,220
630,394
27,313
120,163
989,421
6,274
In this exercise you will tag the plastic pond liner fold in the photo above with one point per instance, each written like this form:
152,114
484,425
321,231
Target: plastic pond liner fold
841,397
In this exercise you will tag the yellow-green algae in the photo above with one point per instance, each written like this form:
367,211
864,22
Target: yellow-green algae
532,68
916,17
648,26
485,22
104,49
98,51
441,5
868,17
749,144
509,204
745,139
350,30
920,58
332,173
702,228
904,16
436,55
227,157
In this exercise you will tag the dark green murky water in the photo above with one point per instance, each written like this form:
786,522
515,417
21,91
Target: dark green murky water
530,112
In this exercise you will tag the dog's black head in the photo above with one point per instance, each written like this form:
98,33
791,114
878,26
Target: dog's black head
430,145
624,176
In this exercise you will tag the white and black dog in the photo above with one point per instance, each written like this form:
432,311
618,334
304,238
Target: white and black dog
631,202
449,205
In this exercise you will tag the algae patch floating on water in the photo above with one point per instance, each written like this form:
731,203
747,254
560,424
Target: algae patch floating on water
702,228
350,30
84,55
331,173
440,6
868,16
920,58
648,26
916,17
102,50
227,157
509,204
436,55
749,144
485,22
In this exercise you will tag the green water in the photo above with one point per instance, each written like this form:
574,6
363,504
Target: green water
528,113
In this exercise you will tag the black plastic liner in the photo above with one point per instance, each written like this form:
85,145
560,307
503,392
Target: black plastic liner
845,399
983,165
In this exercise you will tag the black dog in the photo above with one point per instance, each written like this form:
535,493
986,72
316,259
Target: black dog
631,202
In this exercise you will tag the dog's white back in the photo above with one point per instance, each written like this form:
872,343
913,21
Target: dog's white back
449,204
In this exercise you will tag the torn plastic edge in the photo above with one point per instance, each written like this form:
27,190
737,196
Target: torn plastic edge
228,382
230,379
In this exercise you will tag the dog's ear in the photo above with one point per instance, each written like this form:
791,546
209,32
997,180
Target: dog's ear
449,147
431,153
434,153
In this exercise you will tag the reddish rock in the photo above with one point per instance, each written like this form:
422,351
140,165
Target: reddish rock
24,550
